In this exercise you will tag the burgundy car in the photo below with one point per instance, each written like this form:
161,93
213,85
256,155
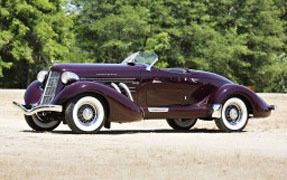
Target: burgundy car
90,96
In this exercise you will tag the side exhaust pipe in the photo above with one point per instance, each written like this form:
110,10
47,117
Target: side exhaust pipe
116,87
127,90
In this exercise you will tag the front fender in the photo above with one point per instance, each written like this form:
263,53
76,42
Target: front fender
259,107
122,109
33,93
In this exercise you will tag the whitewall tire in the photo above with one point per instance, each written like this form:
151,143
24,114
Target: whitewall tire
234,115
85,114
41,123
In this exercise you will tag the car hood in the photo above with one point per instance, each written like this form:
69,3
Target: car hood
94,69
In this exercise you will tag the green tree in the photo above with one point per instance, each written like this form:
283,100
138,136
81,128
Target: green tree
242,40
237,39
33,34
109,31
276,75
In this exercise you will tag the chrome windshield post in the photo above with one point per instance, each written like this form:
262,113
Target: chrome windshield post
151,65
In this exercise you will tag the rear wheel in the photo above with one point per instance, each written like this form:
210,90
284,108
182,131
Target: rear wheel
181,124
85,114
234,116
41,123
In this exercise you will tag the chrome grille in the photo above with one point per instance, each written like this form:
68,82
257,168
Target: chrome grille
50,88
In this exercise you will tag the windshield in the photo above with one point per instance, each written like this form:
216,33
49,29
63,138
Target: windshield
147,58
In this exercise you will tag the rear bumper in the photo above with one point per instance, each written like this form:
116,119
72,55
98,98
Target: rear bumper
272,107
264,112
216,111
40,108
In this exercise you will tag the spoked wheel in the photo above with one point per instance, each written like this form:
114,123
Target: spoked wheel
41,123
234,116
181,124
85,115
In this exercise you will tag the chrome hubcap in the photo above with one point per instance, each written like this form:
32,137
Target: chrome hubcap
233,114
88,114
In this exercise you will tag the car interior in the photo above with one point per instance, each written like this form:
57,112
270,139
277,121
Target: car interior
174,70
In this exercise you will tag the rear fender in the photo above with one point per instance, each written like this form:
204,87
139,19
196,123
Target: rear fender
121,108
259,107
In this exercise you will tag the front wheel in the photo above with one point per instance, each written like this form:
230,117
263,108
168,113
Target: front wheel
234,116
181,124
85,115
41,123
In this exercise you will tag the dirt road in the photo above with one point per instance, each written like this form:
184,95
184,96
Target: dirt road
144,150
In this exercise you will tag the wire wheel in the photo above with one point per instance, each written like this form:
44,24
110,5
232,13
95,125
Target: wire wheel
85,115
234,116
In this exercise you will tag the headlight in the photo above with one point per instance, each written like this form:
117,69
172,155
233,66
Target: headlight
69,76
41,76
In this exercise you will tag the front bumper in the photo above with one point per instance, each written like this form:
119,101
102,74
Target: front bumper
40,108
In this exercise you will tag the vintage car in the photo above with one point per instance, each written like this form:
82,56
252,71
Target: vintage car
90,96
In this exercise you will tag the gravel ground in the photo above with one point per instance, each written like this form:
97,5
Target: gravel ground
143,150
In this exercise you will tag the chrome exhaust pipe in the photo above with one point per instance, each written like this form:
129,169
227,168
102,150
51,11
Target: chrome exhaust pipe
127,90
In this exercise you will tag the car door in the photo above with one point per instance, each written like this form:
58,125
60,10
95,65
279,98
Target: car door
166,89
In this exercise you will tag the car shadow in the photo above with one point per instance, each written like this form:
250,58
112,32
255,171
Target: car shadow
138,131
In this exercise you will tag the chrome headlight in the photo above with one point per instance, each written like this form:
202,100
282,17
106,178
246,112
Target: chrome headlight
41,76
69,76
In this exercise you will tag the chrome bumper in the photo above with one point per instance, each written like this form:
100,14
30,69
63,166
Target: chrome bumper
40,108
216,108
272,107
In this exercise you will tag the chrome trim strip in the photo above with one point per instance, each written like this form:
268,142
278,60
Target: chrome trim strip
127,90
112,80
158,109
40,108
216,108
132,80
116,87
47,82
135,82
156,81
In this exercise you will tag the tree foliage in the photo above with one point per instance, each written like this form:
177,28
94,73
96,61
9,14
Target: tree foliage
243,40
237,39
33,33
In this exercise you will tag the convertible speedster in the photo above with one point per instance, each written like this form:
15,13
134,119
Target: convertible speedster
90,96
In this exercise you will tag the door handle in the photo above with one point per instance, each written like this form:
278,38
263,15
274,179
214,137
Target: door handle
194,80
156,81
